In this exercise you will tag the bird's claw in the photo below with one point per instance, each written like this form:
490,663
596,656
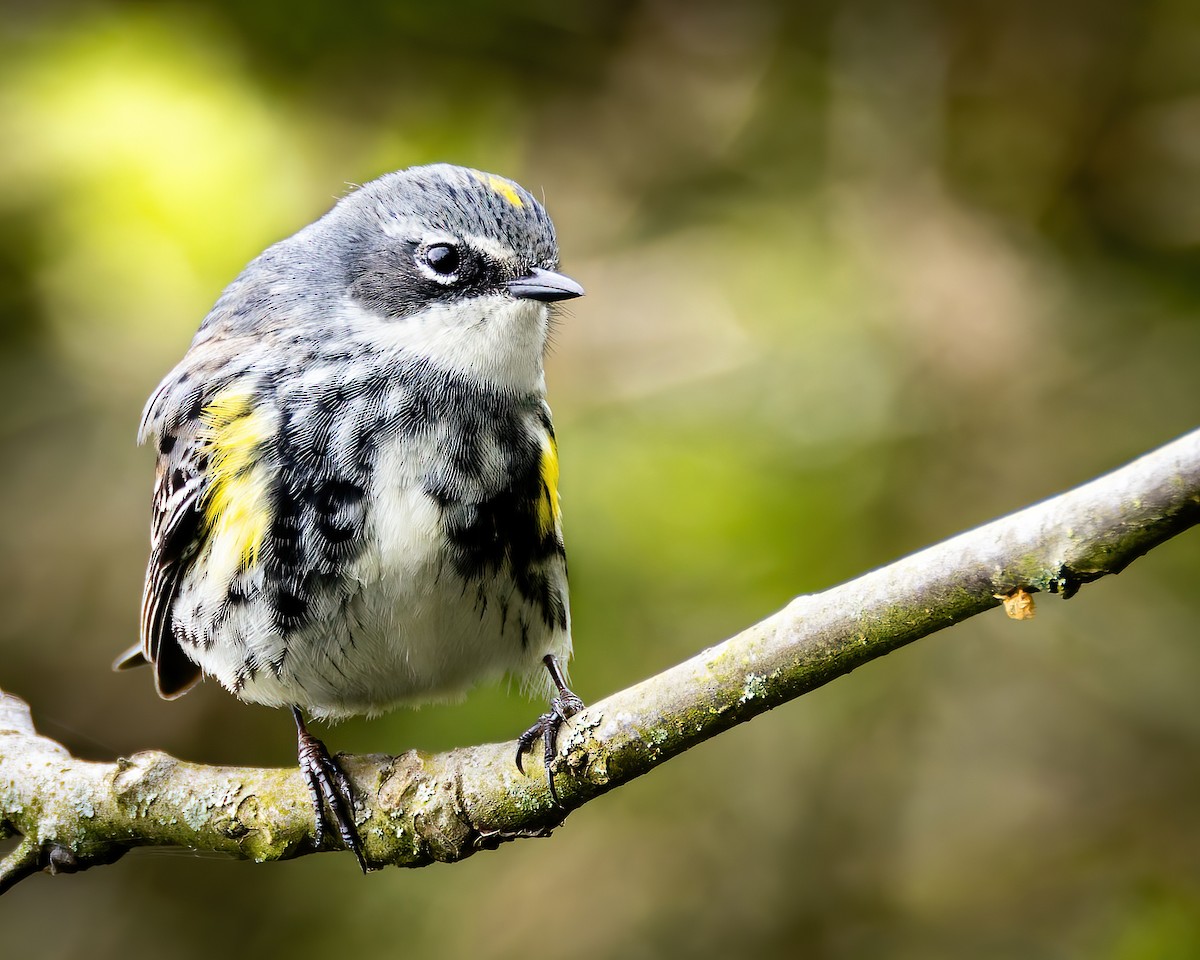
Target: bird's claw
330,790
546,728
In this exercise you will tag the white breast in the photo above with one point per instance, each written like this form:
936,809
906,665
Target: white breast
408,629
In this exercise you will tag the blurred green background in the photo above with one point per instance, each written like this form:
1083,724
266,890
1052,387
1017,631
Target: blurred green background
860,275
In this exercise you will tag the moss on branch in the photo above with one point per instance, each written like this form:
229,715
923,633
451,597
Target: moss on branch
418,808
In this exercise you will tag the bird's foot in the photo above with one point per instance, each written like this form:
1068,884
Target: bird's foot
562,708
329,787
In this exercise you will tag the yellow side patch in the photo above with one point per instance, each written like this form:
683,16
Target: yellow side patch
501,186
548,507
237,509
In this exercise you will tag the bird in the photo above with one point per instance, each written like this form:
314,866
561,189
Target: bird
355,501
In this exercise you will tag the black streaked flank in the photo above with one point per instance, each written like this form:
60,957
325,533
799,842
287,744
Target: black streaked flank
238,595
291,606
339,507
486,481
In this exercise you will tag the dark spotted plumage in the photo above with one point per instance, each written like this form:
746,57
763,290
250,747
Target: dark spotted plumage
355,501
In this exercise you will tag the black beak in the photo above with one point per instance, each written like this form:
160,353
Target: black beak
545,285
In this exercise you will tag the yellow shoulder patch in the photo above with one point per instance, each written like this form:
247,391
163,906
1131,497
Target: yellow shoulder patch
237,509
501,186
549,511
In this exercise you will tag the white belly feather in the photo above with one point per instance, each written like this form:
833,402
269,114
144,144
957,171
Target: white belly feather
407,629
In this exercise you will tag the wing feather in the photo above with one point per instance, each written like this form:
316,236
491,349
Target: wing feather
176,535
174,420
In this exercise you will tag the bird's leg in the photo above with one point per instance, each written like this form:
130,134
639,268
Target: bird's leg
329,788
562,707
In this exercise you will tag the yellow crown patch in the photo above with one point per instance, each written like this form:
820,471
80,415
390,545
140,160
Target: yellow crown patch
501,186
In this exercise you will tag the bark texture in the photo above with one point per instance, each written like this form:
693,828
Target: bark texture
418,808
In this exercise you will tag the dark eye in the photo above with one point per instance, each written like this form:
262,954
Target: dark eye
442,258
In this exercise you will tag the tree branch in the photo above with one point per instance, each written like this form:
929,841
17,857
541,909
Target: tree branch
420,808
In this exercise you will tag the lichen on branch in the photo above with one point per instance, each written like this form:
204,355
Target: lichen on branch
417,808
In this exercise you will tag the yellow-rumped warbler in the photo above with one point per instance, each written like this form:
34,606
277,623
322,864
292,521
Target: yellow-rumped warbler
356,501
